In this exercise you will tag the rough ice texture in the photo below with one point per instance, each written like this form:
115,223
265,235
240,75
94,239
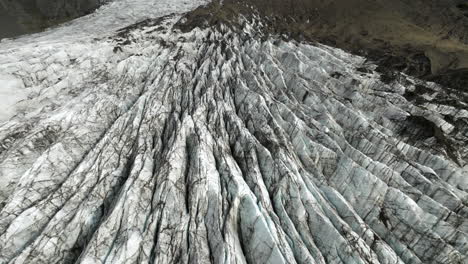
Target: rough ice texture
221,146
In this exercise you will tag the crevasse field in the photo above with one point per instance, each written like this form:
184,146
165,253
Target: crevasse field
126,142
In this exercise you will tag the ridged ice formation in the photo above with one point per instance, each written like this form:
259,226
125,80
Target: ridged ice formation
225,146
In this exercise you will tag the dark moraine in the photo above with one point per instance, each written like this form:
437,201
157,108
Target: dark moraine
19,17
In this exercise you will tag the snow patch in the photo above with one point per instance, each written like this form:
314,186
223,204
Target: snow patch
12,91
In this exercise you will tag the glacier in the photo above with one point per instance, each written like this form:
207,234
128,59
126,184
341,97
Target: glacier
124,139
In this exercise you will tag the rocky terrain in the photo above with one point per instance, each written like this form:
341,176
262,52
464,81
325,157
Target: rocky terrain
195,132
19,17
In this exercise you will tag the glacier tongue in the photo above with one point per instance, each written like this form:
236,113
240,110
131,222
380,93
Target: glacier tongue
225,146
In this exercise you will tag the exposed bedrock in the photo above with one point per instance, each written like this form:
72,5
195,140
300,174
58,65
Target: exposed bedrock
19,17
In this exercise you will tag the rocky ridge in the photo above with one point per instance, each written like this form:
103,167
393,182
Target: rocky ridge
226,144
29,16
